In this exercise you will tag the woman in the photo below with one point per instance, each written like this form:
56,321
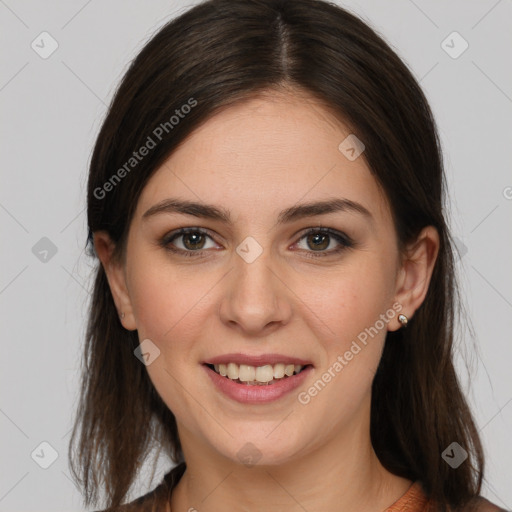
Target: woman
274,299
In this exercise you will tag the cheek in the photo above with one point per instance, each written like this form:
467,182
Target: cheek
346,311
174,308
163,298
343,304
171,307
351,311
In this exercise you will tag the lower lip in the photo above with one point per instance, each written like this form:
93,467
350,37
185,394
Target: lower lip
257,394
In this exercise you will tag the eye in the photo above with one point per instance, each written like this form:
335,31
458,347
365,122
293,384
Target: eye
193,242
189,241
320,239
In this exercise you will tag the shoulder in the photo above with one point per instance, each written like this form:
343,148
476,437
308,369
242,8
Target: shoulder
154,499
481,504
138,505
145,503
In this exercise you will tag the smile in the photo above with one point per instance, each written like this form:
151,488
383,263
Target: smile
252,391
256,375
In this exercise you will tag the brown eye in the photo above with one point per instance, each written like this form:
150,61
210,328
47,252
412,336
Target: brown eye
193,241
188,242
318,240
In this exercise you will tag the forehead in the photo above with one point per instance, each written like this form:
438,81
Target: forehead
262,154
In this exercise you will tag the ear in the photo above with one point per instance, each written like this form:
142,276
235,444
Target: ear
413,277
116,278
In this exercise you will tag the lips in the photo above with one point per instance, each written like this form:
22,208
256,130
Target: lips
268,372
256,392
256,378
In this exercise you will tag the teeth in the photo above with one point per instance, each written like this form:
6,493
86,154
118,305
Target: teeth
233,371
278,371
246,373
261,374
264,373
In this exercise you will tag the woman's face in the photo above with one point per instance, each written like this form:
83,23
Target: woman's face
259,285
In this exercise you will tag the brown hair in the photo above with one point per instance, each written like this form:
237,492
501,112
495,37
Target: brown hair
225,51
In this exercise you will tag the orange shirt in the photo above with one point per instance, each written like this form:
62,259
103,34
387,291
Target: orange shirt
414,500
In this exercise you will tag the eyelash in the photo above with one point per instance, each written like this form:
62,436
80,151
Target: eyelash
345,242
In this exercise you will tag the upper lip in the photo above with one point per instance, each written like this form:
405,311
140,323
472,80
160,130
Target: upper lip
253,360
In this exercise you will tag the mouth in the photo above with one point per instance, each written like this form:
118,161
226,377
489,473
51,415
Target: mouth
265,375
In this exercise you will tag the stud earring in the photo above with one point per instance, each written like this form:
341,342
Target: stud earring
403,320
122,316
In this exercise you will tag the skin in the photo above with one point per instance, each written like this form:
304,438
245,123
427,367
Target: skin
255,159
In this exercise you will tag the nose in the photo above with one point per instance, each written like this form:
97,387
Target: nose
256,299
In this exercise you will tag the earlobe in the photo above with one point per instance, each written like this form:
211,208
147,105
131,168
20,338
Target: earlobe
413,278
116,278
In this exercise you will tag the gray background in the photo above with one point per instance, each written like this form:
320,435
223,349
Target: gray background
51,113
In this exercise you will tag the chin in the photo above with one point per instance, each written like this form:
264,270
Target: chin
257,448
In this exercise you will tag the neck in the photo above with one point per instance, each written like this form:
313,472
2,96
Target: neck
344,474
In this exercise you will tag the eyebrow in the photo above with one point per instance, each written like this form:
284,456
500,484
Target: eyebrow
299,211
